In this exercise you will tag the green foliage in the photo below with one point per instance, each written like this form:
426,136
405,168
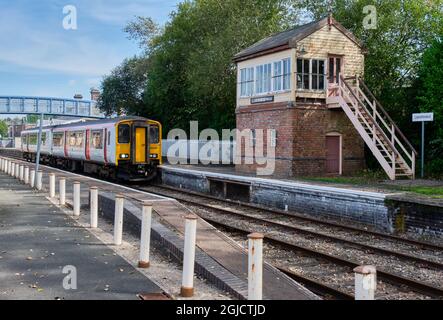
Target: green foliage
430,99
122,90
191,75
3,128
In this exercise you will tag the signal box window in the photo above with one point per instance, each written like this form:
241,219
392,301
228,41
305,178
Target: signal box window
124,133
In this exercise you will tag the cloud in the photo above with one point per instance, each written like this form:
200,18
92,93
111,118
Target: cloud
52,48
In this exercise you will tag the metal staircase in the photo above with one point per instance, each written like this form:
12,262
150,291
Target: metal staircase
388,144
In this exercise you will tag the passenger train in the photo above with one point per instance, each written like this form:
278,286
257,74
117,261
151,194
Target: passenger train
127,148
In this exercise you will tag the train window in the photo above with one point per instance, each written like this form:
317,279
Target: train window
76,139
33,139
23,140
57,139
43,138
124,133
154,133
97,139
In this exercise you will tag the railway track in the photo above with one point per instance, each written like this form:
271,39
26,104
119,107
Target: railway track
243,218
303,262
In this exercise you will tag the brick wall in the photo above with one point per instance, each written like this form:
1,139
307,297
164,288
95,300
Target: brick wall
301,137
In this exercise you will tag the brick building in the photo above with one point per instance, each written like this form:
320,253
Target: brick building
294,83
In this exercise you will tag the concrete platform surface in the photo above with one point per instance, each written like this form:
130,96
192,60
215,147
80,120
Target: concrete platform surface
37,240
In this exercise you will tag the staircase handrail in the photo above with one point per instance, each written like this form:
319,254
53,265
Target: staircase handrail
371,117
397,129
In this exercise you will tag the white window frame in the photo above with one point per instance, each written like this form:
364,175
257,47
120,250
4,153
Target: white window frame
247,82
311,74
264,79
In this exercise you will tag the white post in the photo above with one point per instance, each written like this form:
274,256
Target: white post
17,171
32,180
187,289
76,199
365,282
38,182
52,185
22,173
26,178
255,266
118,219
12,173
10,168
94,206
62,191
145,238
7,167
1,164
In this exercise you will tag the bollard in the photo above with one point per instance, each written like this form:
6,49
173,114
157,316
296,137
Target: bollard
255,266
145,237
187,289
52,185
94,206
62,191
39,180
17,171
7,166
1,164
76,199
10,167
12,173
26,175
118,219
32,178
22,173
365,282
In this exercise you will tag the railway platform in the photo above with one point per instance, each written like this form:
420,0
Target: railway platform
378,208
219,259
41,247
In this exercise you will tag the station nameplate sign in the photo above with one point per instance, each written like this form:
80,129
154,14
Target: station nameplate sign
262,99
423,117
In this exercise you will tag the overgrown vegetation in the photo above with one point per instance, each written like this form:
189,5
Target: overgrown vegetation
186,70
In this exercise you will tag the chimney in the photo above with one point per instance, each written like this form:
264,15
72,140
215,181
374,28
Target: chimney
78,96
95,94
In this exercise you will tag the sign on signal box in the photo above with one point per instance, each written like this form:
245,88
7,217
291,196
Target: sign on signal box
423,117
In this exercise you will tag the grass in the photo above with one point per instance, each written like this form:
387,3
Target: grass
434,192
371,178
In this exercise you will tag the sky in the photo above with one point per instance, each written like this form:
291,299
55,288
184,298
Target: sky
39,57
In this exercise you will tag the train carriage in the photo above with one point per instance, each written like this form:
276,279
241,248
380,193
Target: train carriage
127,148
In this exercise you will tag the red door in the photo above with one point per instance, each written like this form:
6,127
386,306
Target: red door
333,155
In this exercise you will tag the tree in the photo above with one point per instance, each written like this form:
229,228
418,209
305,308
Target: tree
405,28
430,99
122,90
191,74
3,128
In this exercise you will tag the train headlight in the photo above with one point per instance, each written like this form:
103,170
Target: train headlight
154,156
124,156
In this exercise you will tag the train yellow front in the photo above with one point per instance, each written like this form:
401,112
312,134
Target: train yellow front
126,148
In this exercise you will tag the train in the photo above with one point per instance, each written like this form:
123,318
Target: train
124,148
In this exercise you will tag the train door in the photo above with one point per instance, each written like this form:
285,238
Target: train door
141,144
